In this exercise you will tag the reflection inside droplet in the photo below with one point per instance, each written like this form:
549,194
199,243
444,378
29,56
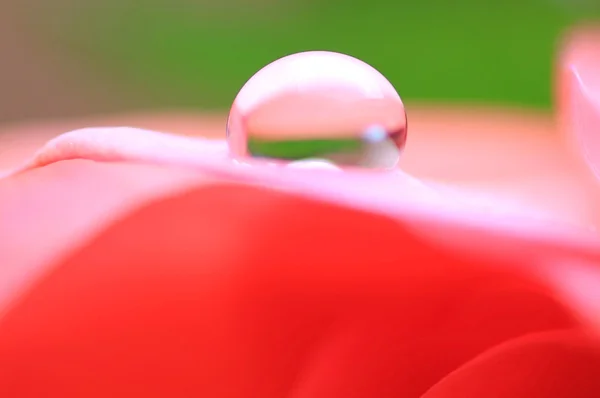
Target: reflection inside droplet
320,105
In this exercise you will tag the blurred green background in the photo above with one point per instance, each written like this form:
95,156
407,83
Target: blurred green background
76,57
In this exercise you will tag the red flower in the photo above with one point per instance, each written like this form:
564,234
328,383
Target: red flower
140,264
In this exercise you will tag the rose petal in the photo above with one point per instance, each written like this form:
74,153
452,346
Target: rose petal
391,193
544,365
19,141
184,297
48,212
130,144
539,168
438,215
580,90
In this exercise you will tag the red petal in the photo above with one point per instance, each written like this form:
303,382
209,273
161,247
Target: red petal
48,212
544,365
206,294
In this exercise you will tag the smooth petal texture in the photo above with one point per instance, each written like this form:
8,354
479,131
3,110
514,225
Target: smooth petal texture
19,142
580,93
48,212
555,364
324,301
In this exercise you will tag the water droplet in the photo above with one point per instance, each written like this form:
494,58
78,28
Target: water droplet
319,105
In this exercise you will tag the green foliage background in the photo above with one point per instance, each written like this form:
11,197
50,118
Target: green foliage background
186,54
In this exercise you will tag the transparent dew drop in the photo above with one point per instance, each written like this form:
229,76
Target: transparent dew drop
319,105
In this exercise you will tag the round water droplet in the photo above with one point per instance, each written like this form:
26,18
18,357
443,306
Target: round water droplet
319,105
